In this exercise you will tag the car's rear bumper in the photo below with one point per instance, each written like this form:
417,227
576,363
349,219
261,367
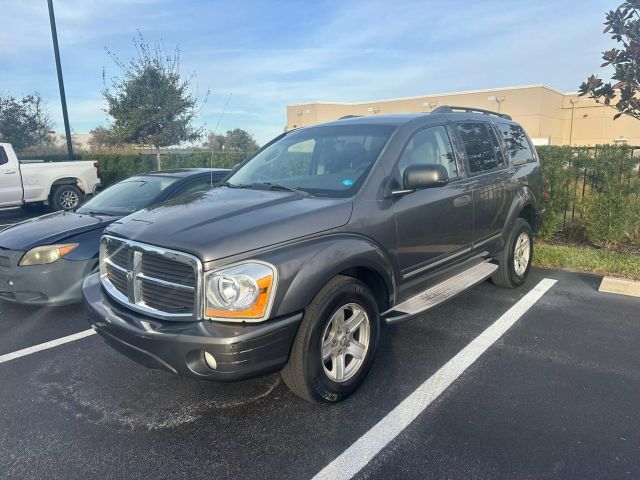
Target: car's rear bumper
54,284
240,350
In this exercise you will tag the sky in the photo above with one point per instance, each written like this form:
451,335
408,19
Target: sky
269,54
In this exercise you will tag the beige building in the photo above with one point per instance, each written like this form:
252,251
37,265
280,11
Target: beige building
550,117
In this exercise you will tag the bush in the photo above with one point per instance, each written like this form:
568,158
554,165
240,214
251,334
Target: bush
592,193
118,166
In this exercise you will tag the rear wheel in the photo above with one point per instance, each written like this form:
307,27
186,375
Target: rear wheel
515,258
66,197
335,344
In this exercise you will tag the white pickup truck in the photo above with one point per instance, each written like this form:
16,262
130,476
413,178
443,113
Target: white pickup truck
59,184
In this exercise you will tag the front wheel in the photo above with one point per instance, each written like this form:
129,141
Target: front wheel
515,258
335,344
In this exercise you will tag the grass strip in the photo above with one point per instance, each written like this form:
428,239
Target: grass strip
585,259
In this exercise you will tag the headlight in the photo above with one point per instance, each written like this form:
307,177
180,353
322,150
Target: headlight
46,254
242,292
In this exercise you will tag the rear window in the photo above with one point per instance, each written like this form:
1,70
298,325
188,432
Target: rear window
482,146
516,142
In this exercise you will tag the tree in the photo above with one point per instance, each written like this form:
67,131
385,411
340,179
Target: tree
624,26
152,103
238,140
23,122
214,142
102,137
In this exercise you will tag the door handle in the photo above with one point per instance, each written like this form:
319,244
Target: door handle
462,201
10,172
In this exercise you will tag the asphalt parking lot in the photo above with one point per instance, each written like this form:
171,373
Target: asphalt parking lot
556,396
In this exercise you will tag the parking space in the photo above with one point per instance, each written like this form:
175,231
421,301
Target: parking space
554,397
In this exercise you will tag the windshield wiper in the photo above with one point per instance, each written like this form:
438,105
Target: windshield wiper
93,213
279,186
233,185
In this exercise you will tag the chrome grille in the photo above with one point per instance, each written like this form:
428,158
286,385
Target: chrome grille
155,281
165,269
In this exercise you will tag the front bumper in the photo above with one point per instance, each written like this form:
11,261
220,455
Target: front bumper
240,350
54,284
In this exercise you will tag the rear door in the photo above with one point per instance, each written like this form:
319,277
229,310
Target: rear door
434,225
10,181
489,175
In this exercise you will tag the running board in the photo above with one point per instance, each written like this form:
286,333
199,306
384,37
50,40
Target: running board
439,293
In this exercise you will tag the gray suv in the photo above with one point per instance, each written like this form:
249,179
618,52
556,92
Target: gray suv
309,246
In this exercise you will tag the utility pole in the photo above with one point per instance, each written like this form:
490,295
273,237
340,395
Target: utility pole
63,98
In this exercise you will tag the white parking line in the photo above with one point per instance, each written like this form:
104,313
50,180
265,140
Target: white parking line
358,455
44,346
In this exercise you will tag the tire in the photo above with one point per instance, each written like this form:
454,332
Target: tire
508,275
66,197
306,373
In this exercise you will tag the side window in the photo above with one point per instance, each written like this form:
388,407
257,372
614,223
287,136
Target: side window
516,141
482,146
427,147
3,156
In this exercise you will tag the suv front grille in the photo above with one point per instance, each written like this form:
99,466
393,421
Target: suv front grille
152,280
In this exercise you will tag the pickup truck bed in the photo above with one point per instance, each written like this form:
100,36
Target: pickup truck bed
57,183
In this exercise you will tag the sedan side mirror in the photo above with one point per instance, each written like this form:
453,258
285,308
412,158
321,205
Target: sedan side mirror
419,177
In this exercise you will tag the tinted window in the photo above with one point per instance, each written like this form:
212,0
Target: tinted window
427,147
128,196
3,156
328,161
481,144
516,143
200,185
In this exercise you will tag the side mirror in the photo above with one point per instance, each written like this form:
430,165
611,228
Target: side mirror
419,177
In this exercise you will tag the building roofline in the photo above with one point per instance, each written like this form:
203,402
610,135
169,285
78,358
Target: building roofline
446,94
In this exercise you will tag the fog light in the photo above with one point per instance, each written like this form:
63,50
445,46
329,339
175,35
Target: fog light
210,361
10,282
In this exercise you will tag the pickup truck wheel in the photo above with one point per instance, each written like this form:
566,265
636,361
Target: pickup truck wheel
335,344
515,258
66,197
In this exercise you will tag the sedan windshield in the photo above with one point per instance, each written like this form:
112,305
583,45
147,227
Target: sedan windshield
330,161
128,196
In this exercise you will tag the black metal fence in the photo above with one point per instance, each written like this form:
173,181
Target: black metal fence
592,194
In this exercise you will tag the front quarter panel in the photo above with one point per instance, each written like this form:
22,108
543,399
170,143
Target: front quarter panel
305,267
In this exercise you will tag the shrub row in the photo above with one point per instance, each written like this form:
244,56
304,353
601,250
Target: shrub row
117,166
591,194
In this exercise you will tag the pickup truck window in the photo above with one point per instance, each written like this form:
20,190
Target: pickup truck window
325,161
427,147
3,156
516,142
483,150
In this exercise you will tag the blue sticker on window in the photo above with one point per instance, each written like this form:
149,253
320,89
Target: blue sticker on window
347,182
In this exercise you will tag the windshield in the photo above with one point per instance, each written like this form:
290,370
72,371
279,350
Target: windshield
128,196
328,161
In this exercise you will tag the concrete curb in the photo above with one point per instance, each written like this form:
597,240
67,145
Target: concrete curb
620,286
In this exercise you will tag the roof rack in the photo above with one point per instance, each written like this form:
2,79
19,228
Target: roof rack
452,109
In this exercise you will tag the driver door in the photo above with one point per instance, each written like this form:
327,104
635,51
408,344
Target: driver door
434,225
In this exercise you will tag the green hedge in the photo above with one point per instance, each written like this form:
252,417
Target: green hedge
117,166
592,194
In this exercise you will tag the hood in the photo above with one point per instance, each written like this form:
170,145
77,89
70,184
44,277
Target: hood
51,228
225,221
